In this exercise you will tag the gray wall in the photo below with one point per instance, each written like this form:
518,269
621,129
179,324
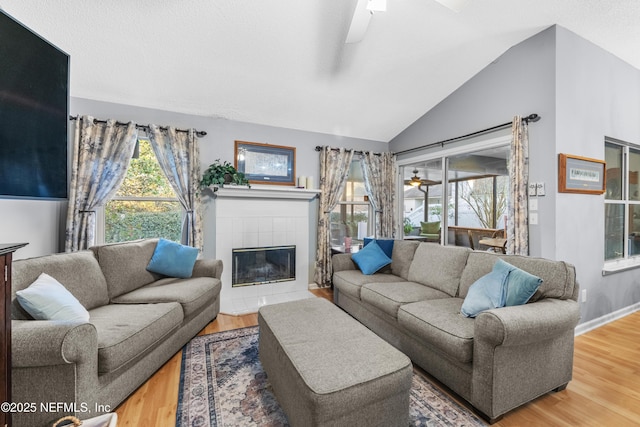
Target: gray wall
583,94
37,222
520,82
41,222
598,96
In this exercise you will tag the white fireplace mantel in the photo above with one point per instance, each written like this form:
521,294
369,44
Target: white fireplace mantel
265,192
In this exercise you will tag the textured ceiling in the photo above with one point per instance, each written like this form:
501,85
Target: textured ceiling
284,62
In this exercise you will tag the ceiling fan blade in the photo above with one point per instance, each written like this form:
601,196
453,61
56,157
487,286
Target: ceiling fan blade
359,22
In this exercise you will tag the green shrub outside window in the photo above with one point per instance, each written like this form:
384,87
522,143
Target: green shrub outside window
145,205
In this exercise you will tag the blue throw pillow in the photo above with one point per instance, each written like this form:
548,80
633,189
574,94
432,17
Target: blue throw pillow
520,285
385,244
486,293
370,258
173,259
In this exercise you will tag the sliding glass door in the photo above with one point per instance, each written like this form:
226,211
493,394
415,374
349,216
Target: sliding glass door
465,208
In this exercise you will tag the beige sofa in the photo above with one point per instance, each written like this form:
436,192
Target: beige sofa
497,361
138,321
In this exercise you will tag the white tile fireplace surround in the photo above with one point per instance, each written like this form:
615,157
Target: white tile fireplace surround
256,217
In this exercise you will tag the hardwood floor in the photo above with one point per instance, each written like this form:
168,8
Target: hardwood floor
605,390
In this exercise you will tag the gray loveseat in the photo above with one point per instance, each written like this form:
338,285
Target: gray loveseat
496,361
138,321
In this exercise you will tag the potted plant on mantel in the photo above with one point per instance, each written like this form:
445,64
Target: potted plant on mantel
220,173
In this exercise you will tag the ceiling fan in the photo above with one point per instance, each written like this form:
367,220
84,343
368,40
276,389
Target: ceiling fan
361,17
366,8
416,181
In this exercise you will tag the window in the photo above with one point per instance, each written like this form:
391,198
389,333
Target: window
350,218
145,205
622,202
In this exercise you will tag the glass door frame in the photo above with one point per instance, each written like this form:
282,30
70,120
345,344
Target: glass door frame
480,143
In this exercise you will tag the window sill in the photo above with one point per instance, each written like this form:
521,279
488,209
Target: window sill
620,266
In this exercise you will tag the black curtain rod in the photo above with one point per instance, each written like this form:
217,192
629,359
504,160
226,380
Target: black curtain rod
143,127
319,148
530,118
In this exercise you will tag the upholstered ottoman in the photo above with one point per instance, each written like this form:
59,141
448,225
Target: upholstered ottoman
327,369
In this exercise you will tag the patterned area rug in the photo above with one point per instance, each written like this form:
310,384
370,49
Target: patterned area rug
222,384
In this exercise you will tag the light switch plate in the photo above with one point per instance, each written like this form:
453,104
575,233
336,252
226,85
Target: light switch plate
540,188
533,204
533,218
533,189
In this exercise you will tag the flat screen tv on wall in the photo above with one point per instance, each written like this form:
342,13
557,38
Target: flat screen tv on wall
34,105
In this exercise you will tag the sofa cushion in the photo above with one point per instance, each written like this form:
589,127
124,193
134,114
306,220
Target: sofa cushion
403,252
439,266
127,331
192,294
48,299
371,258
125,265
440,325
558,277
78,271
173,259
388,297
351,281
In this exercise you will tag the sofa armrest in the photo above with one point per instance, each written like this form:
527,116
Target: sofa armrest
208,268
340,262
522,352
47,343
53,362
528,323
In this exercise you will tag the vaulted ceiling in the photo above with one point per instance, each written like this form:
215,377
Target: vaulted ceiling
284,62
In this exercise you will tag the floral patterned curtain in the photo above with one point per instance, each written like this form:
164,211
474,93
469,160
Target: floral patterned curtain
178,153
334,169
101,156
518,219
380,182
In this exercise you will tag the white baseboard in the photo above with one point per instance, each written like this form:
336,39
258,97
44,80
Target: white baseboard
607,318
313,286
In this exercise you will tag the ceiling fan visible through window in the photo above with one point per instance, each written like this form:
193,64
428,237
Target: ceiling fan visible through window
415,180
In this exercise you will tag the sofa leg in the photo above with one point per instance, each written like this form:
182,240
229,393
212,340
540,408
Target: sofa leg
562,387
488,419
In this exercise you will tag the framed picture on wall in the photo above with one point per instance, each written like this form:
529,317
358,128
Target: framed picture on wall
266,163
580,175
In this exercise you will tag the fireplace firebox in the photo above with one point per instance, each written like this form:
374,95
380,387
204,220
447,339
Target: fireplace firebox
257,266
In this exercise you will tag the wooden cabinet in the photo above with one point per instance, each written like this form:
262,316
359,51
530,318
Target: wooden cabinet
6,252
